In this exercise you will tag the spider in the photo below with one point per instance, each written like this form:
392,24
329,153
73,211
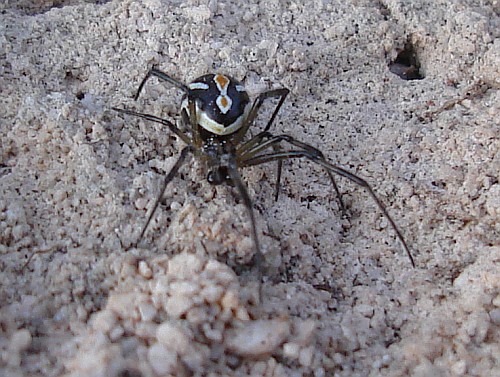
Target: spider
216,115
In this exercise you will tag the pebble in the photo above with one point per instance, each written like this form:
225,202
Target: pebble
176,306
305,331
211,293
116,333
20,340
144,270
495,316
147,311
306,356
184,288
173,337
229,301
104,321
257,338
161,359
291,350
185,266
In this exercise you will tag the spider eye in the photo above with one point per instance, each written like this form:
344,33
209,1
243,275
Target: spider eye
221,102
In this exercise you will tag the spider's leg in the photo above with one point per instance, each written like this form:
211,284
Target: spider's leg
312,154
171,174
265,140
162,76
257,143
237,181
276,93
172,127
277,148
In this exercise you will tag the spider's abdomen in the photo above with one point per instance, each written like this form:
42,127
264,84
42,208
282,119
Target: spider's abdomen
222,103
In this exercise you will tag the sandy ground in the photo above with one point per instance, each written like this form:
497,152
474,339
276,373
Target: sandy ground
340,297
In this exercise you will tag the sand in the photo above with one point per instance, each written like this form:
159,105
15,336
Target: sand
339,297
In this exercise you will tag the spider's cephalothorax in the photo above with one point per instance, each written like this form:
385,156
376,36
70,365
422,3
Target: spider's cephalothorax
217,113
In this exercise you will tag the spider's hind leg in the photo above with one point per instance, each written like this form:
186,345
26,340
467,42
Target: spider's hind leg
342,206
315,156
265,140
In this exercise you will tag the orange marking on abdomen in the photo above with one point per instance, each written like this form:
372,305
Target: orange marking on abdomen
222,81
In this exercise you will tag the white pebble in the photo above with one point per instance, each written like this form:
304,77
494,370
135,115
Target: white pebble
306,356
196,359
198,14
161,359
222,273
229,301
18,232
104,321
178,305
120,303
184,288
305,332
116,333
211,293
496,301
242,314
141,203
319,372
147,311
175,206
386,360
21,340
365,310
257,338
196,316
144,270
146,330
459,368
495,316
185,266
213,334
173,337
291,350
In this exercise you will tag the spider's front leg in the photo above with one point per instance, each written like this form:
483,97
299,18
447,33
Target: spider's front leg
162,76
172,127
193,120
281,94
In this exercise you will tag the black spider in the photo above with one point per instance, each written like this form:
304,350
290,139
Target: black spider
217,113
